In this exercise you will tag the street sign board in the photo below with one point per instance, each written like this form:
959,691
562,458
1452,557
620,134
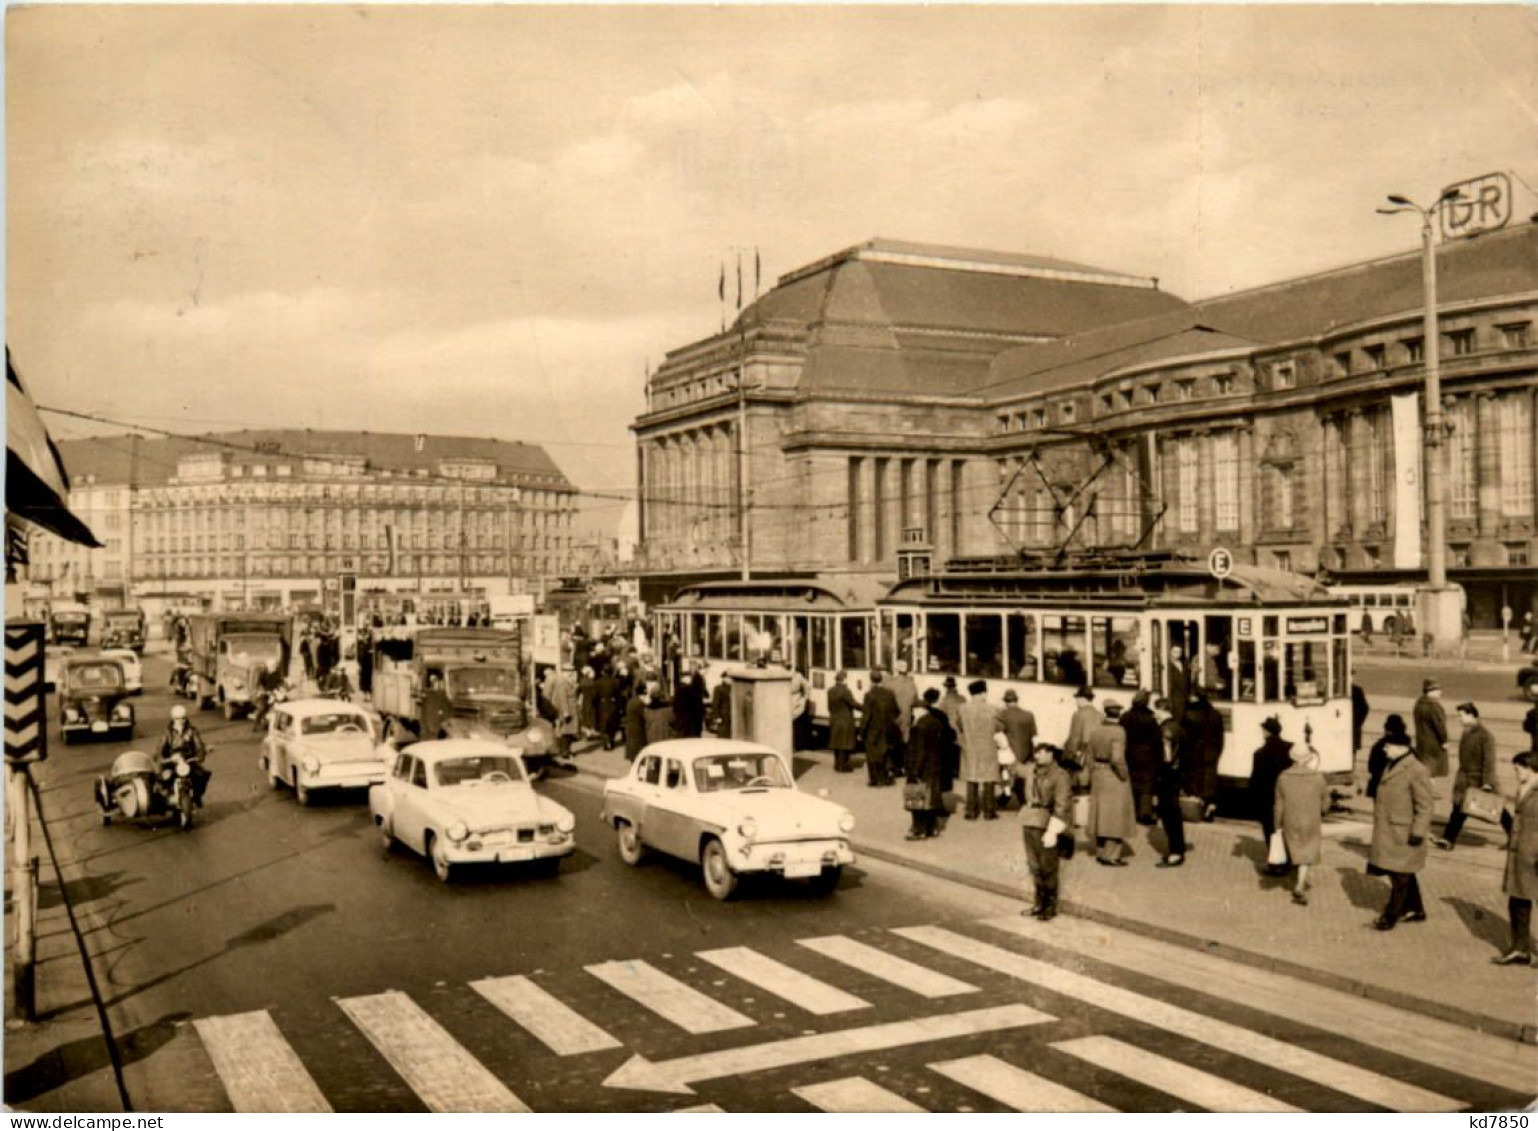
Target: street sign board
1483,205
26,712
1220,563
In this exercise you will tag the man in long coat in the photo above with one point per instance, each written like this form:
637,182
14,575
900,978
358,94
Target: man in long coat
635,723
1521,880
1476,770
689,704
1145,751
979,752
1110,796
1271,761
906,692
924,761
607,706
1401,822
1086,717
878,731
842,735
1431,729
1020,728
1204,733
951,702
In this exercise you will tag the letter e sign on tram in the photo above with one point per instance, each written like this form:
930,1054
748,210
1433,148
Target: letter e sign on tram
1220,563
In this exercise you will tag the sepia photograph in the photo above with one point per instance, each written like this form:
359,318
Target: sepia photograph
807,558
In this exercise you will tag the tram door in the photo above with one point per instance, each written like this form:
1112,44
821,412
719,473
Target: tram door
1176,652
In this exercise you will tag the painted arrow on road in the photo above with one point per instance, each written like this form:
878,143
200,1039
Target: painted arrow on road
675,1076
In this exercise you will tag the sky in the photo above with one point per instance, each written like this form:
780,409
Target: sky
490,221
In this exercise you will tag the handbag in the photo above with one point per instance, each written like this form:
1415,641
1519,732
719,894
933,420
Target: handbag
1485,806
915,795
1276,856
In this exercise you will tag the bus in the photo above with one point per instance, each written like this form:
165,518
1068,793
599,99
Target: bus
1260,641
1389,609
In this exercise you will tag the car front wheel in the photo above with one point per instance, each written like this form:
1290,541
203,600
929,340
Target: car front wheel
386,837
720,880
631,850
441,866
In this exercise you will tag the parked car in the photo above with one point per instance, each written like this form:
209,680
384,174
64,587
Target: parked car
321,744
93,699
731,806
133,670
469,801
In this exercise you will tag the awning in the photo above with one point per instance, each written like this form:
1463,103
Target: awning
36,484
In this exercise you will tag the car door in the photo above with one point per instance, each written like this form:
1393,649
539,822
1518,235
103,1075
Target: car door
643,794
410,802
276,743
669,822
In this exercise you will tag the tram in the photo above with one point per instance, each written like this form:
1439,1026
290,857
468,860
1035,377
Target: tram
1260,642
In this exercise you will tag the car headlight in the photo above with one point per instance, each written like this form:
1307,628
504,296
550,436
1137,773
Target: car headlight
566,823
311,765
748,829
846,822
457,831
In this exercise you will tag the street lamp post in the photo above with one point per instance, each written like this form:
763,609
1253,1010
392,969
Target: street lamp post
1440,611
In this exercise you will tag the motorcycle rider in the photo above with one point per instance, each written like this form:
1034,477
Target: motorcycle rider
182,738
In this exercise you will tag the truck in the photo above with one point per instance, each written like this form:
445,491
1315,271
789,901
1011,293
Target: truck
228,648
123,628
451,682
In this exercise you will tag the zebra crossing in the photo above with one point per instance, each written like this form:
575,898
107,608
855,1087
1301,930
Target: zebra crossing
1052,1054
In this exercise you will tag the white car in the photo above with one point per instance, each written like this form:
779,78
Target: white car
133,671
731,806
469,801
316,744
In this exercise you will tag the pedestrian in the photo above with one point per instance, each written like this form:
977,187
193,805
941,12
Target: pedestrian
1431,729
1401,822
979,752
659,714
1527,630
587,704
924,760
1045,817
1272,760
800,711
879,734
607,706
563,697
1302,800
1110,794
1179,676
1020,729
1086,717
1366,627
1476,770
721,709
689,703
1167,787
1394,744
635,723
1203,726
1521,880
951,702
307,654
906,692
842,734
1145,752
1359,712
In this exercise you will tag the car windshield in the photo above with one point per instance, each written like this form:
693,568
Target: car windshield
333,722
246,650
721,773
70,618
122,620
483,769
481,681
96,677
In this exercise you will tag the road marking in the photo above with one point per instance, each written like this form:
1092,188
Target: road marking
258,1068
1342,1077
667,997
562,1029
1014,1087
854,1094
443,1075
1478,1056
1170,1076
700,1109
642,1075
783,981
887,966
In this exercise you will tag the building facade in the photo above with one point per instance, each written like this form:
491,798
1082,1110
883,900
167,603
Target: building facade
1282,422
272,519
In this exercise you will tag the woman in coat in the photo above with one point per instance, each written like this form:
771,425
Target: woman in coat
635,724
1204,735
1302,800
1145,753
1271,761
1521,880
1401,822
924,762
978,725
1395,741
1110,794
842,735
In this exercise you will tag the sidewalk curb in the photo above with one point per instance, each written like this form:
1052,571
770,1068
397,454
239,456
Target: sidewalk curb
1494,1026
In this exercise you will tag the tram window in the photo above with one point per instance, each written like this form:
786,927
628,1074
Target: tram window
696,642
801,644
985,645
942,642
1216,674
1062,649
1247,671
821,646
854,643
1268,627
733,629
1023,645
1270,672
904,641
1339,673
715,646
1305,660
1114,643
774,629
1340,624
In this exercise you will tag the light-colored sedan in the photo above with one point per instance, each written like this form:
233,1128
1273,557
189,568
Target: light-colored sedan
469,801
133,670
321,744
732,807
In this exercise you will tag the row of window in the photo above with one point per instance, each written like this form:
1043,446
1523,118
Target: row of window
285,566
1120,400
1412,350
436,493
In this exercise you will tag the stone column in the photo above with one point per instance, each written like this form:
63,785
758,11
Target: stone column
1356,477
1487,462
1206,487
1248,497
867,516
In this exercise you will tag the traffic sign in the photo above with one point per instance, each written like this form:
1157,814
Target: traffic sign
1220,563
1483,204
26,711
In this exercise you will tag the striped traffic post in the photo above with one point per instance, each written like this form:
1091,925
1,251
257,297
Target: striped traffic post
26,741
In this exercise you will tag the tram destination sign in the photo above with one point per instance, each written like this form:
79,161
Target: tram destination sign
1308,626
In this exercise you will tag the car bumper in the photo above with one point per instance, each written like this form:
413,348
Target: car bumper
463,853
97,726
343,779
802,858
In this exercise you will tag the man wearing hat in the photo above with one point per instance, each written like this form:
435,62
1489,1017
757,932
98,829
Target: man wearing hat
1085,719
878,732
1476,770
906,692
979,752
951,703
1020,729
1273,759
1110,794
1431,729
1145,752
1394,744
